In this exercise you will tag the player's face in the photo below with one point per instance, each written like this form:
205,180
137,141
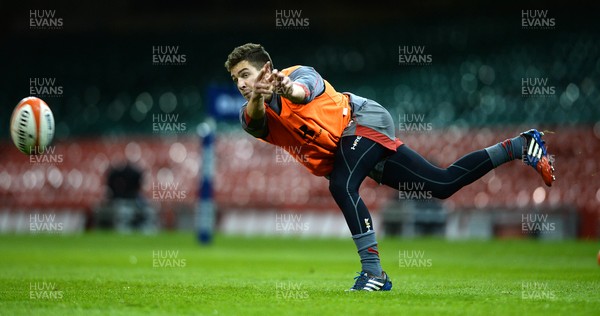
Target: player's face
244,75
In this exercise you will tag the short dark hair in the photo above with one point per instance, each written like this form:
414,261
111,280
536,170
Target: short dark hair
255,54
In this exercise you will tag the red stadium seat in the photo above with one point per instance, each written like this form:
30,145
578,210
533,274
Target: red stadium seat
247,175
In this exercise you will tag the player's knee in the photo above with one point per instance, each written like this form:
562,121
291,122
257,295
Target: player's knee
340,188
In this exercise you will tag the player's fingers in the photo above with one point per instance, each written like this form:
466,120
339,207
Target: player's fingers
280,78
268,78
263,91
265,69
262,87
272,76
275,74
261,75
262,84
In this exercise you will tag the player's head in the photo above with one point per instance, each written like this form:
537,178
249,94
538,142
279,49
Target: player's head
254,54
244,64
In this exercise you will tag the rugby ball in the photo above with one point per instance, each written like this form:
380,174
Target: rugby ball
32,126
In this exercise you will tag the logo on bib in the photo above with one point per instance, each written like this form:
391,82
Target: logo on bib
306,132
309,135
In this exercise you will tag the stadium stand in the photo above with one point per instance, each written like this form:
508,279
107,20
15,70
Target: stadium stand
250,178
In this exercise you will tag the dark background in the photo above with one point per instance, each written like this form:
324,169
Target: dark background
102,57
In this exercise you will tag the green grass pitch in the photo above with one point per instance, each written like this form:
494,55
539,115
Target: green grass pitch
170,274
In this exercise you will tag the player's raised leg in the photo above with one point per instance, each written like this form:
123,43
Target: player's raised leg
408,169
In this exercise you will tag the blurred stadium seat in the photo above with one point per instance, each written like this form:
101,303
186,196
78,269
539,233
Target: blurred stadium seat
249,178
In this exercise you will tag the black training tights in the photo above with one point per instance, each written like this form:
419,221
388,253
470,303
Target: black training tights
403,170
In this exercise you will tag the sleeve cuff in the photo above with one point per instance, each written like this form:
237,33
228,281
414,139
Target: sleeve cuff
305,88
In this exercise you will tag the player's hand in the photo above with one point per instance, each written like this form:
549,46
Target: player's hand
263,83
282,84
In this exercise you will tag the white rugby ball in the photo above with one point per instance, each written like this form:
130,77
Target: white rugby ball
32,126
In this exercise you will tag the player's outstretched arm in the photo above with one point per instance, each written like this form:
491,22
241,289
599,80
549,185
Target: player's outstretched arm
284,86
262,87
